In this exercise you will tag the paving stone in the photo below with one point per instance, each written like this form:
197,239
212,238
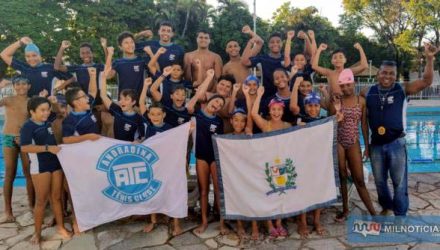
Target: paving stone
25,245
426,246
110,237
83,241
193,247
9,225
23,233
211,231
325,244
185,239
134,227
430,195
423,187
50,245
336,229
289,244
7,232
163,247
228,248
415,203
435,203
396,247
429,212
231,239
157,237
26,219
3,247
211,243
187,225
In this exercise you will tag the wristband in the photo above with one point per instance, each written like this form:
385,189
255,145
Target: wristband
164,76
46,148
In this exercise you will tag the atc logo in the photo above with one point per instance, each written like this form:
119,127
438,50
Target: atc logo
129,173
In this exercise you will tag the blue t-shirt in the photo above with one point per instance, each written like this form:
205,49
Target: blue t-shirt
40,77
151,129
176,116
174,53
168,86
386,108
130,73
126,127
269,65
39,134
80,123
206,126
82,74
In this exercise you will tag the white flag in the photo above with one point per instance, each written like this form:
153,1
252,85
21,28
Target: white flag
111,179
277,174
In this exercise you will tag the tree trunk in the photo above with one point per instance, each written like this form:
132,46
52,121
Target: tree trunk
188,11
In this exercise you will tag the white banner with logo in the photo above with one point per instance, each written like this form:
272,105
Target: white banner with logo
111,179
277,174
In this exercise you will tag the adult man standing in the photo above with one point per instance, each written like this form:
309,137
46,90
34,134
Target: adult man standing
209,60
386,105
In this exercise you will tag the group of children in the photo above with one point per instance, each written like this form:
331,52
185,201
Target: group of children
42,115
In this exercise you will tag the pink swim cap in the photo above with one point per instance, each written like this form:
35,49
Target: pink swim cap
346,76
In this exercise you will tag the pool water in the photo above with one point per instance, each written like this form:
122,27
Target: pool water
423,143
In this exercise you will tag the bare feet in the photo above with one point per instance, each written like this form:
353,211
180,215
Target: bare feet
201,229
320,230
177,230
342,216
149,227
65,235
223,229
303,231
241,232
7,218
36,239
255,235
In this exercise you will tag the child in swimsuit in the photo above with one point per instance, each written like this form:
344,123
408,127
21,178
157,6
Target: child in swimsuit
353,110
15,116
276,111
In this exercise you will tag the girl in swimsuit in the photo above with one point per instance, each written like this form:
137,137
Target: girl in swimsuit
353,110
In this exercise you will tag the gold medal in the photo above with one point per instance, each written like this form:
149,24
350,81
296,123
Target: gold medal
381,130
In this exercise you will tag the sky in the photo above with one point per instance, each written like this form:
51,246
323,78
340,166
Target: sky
265,8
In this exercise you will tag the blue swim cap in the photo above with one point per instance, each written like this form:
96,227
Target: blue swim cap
251,78
32,48
238,111
312,98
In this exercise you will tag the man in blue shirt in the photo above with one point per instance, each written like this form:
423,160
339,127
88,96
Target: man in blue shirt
269,62
386,105
174,53
41,75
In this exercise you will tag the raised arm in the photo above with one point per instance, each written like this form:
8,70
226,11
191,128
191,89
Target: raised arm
199,67
315,61
93,89
103,42
201,91
187,60
260,121
313,46
218,65
143,98
428,75
325,96
103,91
294,108
108,62
154,90
288,47
249,121
153,66
58,64
145,33
235,88
8,53
363,63
253,46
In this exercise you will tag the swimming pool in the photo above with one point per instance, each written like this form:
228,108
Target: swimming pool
423,143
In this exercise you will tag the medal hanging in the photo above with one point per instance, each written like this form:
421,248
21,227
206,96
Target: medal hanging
381,130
